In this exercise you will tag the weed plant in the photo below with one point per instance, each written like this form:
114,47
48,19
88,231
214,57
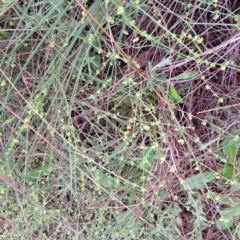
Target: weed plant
119,119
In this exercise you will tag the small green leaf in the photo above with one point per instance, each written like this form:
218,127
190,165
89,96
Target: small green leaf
105,180
150,219
185,75
38,172
95,44
146,159
152,74
96,62
230,148
206,145
162,76
164,62
150,81
174,95
150,69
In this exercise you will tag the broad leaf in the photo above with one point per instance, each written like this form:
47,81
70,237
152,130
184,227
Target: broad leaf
106,181
230,148
229,172
224,225
201,179
95,44
38,172
96,62
227,217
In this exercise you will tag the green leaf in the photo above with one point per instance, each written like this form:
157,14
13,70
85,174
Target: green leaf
146,159
185,75
150,69
235,186
152,74
96,62
223,224
150,219
229,172
38,172
95,44
201,179
150,81
233,211
174,95
230,148
226,221
105,180
162,76
164,62
206,145
126,217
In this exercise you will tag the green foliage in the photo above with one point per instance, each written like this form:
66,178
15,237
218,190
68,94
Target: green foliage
106,181
37,173
146,159
95,62
230,150
174,95
201,179
93,147
185,75
229,217
229,172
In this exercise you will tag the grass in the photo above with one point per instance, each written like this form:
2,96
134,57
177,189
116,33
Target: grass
119,120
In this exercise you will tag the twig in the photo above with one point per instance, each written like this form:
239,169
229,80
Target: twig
219,108
137,209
